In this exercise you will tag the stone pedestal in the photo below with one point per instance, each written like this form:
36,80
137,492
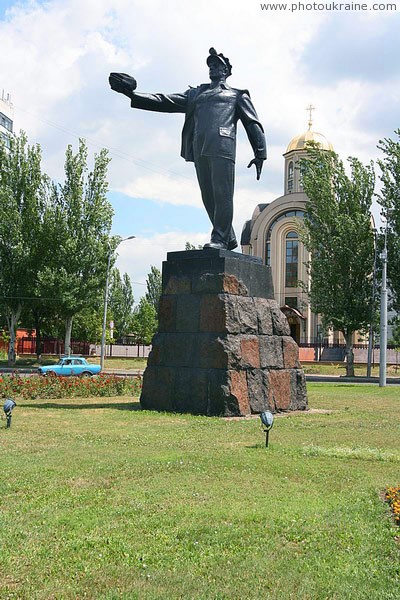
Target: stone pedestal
223,345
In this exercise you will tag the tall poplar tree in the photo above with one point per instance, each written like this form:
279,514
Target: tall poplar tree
80,236
23,194
389,199
339,236
121,302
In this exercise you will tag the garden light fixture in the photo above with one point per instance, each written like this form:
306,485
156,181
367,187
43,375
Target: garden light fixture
267,420
8,406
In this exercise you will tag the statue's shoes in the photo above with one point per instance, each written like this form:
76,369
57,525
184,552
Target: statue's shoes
232,245
215,245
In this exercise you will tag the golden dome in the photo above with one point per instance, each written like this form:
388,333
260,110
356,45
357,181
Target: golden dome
299,141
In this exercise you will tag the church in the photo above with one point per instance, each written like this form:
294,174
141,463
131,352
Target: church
272,233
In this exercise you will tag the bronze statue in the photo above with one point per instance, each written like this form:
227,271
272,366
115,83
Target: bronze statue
209,137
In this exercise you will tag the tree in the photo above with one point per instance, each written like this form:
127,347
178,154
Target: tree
144,323
121,302
23,196
338,234
154,287
80,230
190,246
389,199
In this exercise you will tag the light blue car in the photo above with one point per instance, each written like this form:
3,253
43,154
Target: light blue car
70,365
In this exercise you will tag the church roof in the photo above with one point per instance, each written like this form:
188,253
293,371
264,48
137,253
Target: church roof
246,233
299,141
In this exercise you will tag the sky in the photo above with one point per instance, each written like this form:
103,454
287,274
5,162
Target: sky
56,56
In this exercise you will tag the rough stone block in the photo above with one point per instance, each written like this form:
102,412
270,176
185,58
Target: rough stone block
258,389
238,401
264,316
290,353
158,392
271,355
187,312
212,314
191,391
174,350
178,285
219,352
250,352
246,314
233,285
299,390
280,323
167,313
280,390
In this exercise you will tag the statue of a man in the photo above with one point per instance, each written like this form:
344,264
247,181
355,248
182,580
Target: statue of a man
209,137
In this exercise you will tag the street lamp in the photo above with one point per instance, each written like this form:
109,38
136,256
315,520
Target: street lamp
103,333
383,322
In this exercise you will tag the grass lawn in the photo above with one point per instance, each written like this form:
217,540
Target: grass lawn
101,500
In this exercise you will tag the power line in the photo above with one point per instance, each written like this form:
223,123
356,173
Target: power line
113,151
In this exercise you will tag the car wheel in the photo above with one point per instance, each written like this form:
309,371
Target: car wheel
86,374
51,374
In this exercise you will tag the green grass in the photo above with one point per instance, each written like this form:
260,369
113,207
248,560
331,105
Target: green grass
360,370
101,500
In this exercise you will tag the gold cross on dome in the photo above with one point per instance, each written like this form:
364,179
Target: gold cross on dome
310,109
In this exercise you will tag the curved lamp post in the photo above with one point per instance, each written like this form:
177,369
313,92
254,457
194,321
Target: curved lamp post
103,333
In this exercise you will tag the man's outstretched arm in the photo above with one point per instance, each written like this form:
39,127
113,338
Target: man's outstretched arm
125,84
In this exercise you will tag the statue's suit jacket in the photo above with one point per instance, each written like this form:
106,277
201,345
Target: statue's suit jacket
211,116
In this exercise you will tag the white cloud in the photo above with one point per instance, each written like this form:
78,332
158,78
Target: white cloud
56,57
165,189
135,257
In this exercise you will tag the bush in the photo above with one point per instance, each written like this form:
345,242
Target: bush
68,387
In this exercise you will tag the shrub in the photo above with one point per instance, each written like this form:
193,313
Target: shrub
68,387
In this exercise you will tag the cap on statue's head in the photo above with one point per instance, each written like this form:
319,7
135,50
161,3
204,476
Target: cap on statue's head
223,59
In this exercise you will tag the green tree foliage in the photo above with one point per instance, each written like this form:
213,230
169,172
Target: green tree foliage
23,197
190,246
79,230
389,199
121,302
144,324
154,287
338,234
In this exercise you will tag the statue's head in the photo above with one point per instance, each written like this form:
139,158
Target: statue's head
218,64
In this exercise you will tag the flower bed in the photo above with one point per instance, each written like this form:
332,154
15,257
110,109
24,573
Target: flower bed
392,496
68,387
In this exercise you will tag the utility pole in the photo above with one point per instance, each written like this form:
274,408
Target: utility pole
383,323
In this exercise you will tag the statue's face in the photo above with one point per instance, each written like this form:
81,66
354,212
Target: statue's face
217,70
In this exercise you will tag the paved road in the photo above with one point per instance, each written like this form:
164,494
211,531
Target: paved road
314,378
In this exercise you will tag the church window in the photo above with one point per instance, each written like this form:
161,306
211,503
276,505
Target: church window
291,301
290,177
292,256
268,249
299,214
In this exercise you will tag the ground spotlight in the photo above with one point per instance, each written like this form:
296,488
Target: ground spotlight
267,420
8,407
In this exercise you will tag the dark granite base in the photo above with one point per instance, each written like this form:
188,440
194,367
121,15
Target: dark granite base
223,346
